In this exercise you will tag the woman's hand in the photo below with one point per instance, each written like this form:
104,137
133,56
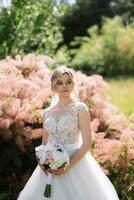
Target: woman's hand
55,172
58,172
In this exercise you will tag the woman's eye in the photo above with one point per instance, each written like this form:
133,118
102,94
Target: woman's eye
59,83
69,82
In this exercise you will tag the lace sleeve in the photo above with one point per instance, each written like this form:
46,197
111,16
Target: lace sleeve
82,106
45,113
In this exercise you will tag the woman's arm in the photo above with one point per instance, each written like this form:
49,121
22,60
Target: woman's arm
44,141
45,134
44,137
84,123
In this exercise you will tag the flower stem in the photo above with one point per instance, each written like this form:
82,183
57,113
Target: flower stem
47,192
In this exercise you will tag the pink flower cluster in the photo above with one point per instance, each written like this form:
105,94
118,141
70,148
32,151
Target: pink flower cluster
112,131
48,157
25,91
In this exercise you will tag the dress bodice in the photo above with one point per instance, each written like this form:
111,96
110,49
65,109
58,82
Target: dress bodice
64,129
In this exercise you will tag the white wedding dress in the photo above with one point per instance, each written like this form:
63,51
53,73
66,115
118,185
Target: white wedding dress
85,181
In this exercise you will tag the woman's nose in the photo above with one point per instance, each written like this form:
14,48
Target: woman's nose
64,85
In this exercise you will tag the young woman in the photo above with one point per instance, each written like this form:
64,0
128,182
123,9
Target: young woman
67,122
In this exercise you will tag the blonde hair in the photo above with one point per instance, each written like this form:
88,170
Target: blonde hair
54,77
59,71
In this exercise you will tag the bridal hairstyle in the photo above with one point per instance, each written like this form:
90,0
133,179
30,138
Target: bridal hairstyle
54,77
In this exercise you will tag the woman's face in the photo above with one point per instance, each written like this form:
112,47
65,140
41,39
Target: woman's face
64,85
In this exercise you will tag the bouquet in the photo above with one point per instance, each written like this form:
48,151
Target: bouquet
51,156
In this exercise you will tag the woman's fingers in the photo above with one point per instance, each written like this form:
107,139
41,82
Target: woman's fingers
57,171
50,171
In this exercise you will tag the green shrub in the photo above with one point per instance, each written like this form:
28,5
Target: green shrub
30,26
108,51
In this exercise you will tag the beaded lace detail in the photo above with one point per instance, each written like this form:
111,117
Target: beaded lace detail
63,128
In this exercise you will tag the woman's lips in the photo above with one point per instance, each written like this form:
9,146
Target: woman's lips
64,90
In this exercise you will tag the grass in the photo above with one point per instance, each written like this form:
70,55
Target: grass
121,93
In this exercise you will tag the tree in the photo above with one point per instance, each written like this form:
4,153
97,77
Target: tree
124,8
86,13
82,15
30,26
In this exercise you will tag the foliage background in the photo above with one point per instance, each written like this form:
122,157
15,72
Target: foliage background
30,26
94,36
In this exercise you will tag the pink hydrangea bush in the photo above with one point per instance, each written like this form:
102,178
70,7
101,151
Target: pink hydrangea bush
25,91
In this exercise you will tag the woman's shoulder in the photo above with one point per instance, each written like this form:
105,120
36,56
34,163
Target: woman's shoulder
78,104
45,111
81,105
47,108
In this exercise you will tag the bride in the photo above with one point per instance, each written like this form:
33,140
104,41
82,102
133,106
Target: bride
67,122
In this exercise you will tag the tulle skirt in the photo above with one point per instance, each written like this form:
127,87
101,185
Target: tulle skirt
84,181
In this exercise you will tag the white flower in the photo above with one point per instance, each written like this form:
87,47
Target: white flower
59,158
41,152
59,155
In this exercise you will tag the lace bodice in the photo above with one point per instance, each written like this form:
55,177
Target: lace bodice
64,129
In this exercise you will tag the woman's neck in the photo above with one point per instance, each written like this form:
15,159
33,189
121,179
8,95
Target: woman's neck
65,101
